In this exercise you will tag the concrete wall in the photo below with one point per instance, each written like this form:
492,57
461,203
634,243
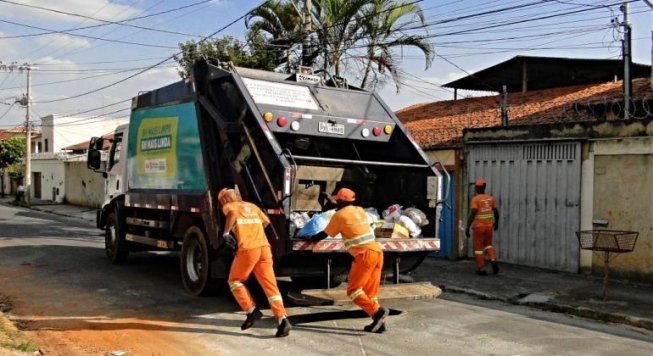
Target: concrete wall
66,131
83,186
623,194
446,157
52,179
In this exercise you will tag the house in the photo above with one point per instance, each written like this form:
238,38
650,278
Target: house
51,163
522,164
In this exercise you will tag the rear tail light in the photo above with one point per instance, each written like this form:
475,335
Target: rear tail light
365,132
268,117
387,129
282,121
376,131
294,125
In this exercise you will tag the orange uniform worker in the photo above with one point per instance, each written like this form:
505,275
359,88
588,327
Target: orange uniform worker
365,274
483,218
253,254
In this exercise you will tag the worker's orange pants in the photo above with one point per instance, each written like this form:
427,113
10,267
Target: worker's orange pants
483,244
259,261
364,280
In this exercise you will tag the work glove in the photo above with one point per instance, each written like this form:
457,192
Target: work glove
467,233
496,226
230,240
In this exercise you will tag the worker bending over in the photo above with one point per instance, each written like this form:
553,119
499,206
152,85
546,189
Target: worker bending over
253,254
365,274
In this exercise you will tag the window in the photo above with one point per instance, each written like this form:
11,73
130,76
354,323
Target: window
39,147
114,154
45,143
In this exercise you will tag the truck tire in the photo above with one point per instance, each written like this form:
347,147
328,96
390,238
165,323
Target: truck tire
195,262
115,245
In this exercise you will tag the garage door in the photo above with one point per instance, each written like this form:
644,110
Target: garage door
537,187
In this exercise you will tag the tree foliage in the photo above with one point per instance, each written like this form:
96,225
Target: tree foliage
251,54
12,150
358,39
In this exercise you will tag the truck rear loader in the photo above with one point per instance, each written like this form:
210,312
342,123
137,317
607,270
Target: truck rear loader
285,144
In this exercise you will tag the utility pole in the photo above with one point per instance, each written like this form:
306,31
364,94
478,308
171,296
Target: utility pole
627,61
307,28
650,4
27,181
504,106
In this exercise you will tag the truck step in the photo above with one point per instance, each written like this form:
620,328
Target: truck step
162,244
388,293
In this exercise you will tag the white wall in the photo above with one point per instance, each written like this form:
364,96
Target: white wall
66,131
52,179
83,186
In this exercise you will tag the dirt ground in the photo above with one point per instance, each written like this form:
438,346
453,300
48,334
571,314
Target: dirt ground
30,327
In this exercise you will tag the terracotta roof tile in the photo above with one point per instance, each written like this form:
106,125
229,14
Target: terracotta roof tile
440,124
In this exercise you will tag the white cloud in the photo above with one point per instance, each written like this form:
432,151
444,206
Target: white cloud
63,41
9,46
101,9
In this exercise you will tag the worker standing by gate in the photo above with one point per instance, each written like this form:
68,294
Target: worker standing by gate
253,254
483,218
365,274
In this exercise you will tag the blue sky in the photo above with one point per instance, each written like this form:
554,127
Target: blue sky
101,59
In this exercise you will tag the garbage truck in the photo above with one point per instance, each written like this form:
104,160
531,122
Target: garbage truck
285,142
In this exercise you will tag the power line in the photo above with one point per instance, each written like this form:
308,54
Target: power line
148,68
87,36
106,22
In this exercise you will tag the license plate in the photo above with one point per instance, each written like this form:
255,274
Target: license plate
338,129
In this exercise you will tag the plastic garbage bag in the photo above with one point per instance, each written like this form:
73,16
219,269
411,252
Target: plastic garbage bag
314,225
392,213
416,215
372,215
409,224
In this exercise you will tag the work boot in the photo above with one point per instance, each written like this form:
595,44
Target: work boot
251,319
378,319
383,328
495,267
284,328
481,272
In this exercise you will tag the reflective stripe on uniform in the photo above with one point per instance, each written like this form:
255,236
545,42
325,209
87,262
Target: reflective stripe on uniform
235,285
357,293
275,298
248,221
359,240
488,246
477,252
375,300
484,216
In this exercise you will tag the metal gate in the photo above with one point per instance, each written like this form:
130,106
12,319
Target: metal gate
537,187
447,220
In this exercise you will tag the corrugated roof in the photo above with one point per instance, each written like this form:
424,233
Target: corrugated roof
546,73
440,124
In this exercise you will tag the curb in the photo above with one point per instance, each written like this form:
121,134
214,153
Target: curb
580,311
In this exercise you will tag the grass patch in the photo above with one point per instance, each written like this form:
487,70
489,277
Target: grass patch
11,338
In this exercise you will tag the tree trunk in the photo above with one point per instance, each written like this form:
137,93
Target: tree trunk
368,67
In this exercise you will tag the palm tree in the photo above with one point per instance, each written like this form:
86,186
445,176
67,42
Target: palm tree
383,27
337,28
280,23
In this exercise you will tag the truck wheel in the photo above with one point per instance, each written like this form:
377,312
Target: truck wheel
115,245
195,262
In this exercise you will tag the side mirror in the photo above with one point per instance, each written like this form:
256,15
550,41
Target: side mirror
94,159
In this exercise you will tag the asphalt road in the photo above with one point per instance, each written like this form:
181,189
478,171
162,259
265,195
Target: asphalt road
70,300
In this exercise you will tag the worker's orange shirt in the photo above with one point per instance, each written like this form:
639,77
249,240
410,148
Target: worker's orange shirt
484,205
357,235
247,222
